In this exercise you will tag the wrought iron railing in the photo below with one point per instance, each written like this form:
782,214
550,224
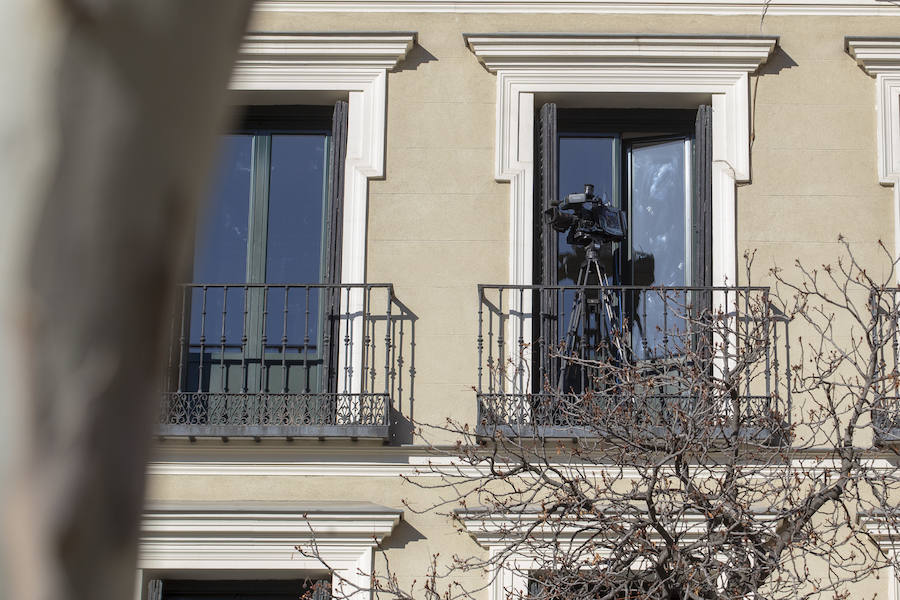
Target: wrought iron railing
263,360
567,360
885,339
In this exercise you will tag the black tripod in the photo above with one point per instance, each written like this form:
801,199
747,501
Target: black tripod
607,330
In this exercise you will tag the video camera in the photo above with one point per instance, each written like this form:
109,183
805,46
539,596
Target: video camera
591,221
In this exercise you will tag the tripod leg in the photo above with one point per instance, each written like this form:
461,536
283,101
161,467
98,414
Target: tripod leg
611,318
575,317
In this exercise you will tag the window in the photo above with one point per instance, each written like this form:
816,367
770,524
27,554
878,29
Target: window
654,165
238,590
345,535
519,322
265,244
259,322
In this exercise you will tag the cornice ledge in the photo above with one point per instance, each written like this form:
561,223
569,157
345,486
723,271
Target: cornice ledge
875,55
368,523
382,50
882,527
700,7
507,51
491,529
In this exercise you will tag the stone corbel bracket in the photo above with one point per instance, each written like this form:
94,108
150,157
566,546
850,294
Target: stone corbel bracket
527,64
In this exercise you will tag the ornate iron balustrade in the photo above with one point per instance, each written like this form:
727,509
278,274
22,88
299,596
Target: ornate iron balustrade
563,361
273,360
885,306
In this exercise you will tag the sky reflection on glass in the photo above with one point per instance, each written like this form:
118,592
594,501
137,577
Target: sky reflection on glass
583,160
296,229
220,251
658,244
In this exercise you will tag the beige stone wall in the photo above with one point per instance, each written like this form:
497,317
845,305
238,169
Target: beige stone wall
438,221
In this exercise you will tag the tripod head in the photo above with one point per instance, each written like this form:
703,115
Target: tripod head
588,220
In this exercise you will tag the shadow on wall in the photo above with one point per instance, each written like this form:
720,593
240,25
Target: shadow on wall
416,56
403,534
778,61
403,375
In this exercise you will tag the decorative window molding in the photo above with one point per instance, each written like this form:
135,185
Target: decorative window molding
700,7
880,58
528,64
183,539
355,63
510,579
885,535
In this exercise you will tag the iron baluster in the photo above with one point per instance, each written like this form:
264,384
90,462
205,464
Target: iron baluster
244,342
480,340
182,339
388,349
284,340
202,341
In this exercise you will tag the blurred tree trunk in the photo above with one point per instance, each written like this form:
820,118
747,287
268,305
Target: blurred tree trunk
108,123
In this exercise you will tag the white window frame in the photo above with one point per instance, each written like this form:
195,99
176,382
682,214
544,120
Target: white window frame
527,64
352,63
880,58
182,540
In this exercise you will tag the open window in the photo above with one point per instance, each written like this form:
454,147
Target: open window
640,295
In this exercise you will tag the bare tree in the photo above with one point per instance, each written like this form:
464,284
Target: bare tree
109,125
720,450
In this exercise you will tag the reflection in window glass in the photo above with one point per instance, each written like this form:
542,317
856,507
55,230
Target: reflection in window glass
296,224
296,230
585,160
265,223
220,251
659,243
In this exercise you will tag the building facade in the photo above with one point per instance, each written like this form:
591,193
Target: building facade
376,232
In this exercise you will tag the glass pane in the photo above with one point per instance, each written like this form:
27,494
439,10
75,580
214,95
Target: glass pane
659,241
584,160
296,232
297,188
220,250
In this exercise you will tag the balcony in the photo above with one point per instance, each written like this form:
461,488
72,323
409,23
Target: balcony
602,361
885,339
286,361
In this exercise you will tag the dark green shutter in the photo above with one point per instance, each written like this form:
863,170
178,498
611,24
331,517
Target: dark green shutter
334,229
701,267
547,191
548,157
334,241
702,208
